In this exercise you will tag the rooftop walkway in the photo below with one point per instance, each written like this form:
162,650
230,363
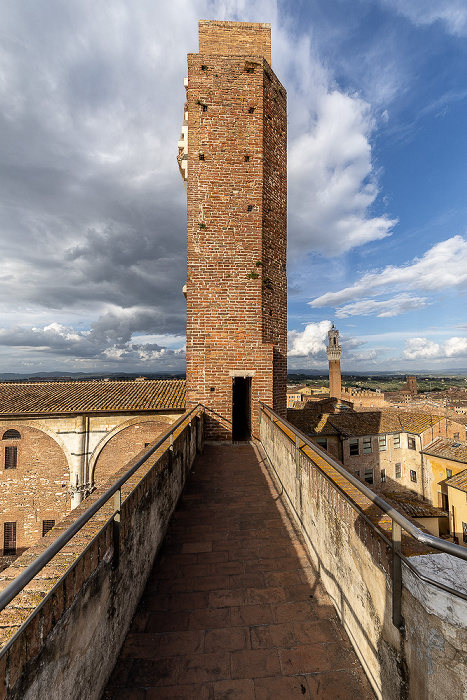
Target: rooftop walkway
233,608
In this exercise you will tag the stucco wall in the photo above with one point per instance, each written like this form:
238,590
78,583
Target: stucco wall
72,639
355,566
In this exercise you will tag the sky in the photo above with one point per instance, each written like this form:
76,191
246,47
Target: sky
93,209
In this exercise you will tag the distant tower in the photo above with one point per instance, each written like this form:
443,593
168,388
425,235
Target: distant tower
334,352
411,385
232,157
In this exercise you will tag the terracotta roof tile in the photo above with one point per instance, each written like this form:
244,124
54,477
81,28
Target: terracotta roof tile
459,481
379,422
447,448
90,396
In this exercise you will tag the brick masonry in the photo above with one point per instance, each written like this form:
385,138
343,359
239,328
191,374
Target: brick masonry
56,460
236,192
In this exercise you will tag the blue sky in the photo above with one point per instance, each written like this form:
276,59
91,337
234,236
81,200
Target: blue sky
92,209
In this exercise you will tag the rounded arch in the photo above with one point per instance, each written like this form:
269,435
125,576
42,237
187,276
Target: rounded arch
38,425
151,426
11,434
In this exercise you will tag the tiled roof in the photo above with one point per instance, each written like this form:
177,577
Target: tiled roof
447,448
379,422
352,424
311,422
459,481
89,396
409,505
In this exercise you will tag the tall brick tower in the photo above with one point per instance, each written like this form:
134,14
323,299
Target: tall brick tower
334,352
411,384
232,156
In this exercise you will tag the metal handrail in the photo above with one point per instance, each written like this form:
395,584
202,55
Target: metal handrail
422,537
399,522
17,585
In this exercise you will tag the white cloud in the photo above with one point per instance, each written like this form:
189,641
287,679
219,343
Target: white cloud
332,180
442,267
310,341
422,348
452,13
400,304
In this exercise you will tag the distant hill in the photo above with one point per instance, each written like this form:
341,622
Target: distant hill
51,376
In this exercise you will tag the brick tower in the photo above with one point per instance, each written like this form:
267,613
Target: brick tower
232,156
334,352
411,384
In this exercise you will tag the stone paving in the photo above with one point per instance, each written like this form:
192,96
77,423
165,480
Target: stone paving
233,607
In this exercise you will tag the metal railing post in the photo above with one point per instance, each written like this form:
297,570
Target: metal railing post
298,480
397,619
116,525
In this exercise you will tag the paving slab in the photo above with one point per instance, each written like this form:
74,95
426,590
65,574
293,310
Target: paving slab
233,607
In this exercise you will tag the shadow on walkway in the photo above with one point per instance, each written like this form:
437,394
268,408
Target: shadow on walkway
232,607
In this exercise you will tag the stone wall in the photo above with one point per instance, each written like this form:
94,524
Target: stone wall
71,637
355,565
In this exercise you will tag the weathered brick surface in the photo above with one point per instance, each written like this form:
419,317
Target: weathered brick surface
37,489
236,283
123,446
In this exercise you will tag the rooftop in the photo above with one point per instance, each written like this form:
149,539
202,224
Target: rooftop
91,396
411,506
447,448
459,481
350,424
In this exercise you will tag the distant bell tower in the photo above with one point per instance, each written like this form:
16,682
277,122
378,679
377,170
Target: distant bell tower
334,352
233,160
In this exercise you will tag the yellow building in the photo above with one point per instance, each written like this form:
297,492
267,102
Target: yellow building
457,497
446,461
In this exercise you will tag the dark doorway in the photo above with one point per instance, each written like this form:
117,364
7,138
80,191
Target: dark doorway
241,409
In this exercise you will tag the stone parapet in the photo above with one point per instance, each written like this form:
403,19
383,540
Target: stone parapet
60,637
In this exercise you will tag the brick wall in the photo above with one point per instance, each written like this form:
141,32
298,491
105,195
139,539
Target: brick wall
236,216
37,489
123,446
235,38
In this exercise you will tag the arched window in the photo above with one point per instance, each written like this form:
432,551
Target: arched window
11,435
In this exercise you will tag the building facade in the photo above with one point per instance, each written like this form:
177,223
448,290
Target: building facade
59,440
233,159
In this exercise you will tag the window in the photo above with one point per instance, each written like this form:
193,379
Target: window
448,473
413,476
456,436
11,457
353,446
383,475
369,476
382,443
11,435
464,532
357,473
322,442
411,443
367,446
9,538
204,108
398,470
396,441
47,525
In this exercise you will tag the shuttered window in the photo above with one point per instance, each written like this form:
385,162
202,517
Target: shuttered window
11,456
47,525
9,538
